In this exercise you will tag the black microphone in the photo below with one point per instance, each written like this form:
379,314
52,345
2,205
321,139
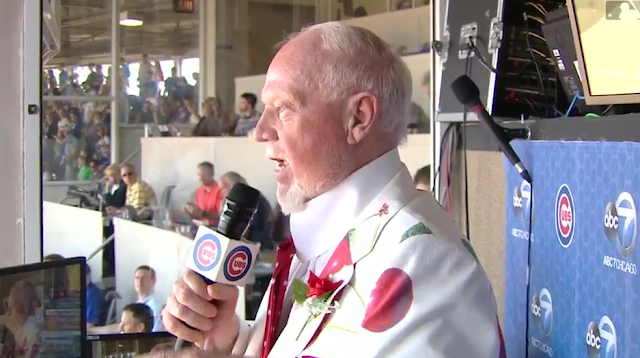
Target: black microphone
208,259
468,94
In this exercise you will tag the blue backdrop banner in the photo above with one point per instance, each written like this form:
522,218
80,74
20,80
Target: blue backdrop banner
584,297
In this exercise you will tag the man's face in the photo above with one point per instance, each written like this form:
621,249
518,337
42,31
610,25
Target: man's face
13,301
143,282
204,175
113,177
427,90
423,186
305,134
128,176
243,105
128,324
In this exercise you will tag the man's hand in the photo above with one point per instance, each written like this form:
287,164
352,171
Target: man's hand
210,310
193,211
186,353
112,210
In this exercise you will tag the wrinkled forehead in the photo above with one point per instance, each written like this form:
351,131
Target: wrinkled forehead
292,73
286,83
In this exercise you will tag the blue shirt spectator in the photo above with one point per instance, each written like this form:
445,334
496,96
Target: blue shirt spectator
95,302
156,308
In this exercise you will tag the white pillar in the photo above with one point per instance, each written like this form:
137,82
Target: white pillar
177,63
116,86
207,80
20,136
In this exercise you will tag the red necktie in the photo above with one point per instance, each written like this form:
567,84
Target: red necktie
284,256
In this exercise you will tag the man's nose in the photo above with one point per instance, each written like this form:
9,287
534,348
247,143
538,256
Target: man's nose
264,130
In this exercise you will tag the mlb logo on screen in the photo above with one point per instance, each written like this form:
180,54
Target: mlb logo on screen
623,10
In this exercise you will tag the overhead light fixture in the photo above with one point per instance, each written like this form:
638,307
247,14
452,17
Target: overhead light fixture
130,20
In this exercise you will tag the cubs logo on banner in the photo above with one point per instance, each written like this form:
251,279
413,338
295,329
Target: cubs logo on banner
621,228
601,339
237,264
207,252
565,216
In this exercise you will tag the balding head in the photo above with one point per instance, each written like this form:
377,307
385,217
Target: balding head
339,60
336,97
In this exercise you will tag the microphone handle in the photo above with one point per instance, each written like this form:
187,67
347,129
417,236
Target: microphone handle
502,140
237,226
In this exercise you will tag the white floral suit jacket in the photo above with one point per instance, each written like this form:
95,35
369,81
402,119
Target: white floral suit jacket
412,287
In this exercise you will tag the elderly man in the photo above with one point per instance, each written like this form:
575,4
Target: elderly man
376,268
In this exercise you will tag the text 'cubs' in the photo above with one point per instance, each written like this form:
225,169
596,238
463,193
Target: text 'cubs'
565,216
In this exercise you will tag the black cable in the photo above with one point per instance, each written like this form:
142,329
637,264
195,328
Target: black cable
453,147
529,256
436,177
533,58
464,149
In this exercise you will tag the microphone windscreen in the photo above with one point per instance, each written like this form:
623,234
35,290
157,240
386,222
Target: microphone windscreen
244,195
466,91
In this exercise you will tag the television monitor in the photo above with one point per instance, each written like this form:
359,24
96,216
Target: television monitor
605,36
42,315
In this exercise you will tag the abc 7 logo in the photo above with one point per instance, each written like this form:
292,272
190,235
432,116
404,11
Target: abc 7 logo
521,200
542,311
620,223
601,339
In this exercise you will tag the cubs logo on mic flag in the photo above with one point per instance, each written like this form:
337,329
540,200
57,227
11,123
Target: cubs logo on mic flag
582,298
221,259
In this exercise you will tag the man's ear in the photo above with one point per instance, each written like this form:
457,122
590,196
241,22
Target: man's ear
362,111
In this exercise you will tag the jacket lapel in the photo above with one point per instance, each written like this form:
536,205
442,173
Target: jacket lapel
255,345
395,196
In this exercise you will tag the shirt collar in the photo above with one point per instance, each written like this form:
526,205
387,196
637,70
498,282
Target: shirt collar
149,298
327,218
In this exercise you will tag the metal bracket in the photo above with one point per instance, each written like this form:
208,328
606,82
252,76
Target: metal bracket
516,133
495,36
442,47
468,32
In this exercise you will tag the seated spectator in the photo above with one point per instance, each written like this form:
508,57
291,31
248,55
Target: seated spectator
140,196
422,178
261,225
115,192
248,116
136,318
84,171
210,124
53,257
207,198
95,302
104,156
144,284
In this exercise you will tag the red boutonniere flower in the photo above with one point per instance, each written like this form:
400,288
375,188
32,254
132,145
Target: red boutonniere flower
319,287
315,296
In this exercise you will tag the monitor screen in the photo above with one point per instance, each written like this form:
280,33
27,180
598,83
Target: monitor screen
42,311
606,35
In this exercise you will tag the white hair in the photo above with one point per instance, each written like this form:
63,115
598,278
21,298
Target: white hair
365,63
